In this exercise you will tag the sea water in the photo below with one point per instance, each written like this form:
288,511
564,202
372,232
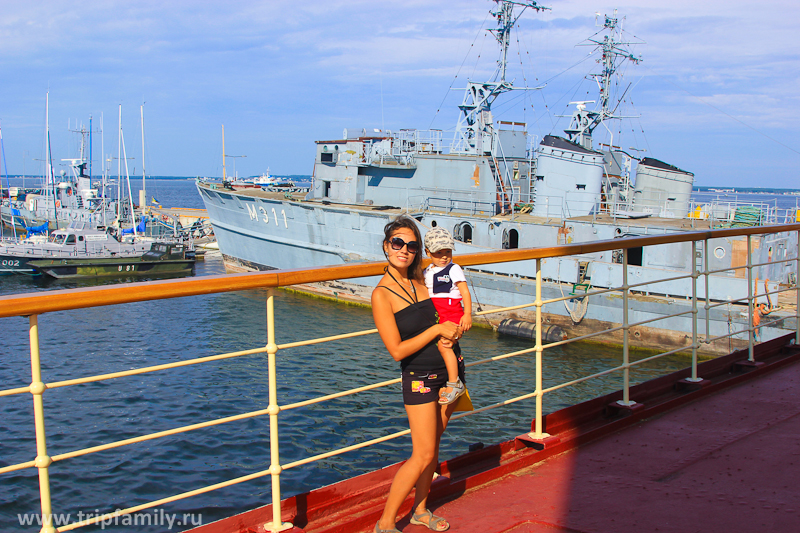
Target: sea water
108,339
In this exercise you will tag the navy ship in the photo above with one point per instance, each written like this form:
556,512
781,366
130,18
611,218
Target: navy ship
495,187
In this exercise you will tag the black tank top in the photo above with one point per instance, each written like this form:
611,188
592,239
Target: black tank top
412,321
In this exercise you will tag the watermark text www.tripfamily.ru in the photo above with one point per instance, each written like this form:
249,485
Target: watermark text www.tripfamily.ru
155,517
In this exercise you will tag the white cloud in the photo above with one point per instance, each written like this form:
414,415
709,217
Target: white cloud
273,70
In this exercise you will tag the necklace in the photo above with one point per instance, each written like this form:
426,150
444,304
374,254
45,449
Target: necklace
413,298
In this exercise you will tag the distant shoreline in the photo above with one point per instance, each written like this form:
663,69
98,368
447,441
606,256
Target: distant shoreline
767,190
297,177
721,189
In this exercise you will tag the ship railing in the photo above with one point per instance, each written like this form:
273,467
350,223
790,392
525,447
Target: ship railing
450,201
418,142
717,212
32,306
545,206
453,205
459,145
721,210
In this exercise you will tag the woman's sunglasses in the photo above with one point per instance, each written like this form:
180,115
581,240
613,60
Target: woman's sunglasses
398,243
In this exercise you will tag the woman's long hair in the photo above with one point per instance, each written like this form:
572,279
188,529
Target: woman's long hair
403,221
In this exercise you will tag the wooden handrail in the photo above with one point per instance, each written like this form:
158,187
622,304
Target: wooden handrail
62,300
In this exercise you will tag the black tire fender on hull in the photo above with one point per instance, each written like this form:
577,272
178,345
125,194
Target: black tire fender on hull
527,330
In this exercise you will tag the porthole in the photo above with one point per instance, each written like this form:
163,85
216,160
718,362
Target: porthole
719,252
433,223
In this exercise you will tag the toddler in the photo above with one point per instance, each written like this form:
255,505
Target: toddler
448,290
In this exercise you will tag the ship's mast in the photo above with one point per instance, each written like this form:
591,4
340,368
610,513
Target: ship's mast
80,164
614,52
474,129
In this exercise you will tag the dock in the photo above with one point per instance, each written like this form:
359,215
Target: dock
186,215
718,455
711,447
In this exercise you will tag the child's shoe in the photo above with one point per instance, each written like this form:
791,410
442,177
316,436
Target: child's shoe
457,388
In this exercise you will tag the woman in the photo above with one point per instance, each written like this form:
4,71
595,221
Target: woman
407,323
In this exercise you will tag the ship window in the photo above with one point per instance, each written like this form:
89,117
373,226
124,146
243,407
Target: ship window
70,239
580,187
510,239
326,189
80,238
326,158
433,223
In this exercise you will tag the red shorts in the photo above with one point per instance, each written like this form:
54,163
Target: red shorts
449,309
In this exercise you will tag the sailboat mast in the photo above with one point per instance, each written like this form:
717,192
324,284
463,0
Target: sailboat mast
90,150
119,169
51,178
103,162
224,177
143,199
128,181
8,183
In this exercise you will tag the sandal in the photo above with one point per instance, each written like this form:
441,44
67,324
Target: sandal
456,389
433,522
379,530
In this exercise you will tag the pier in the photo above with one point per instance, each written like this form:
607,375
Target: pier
718,456
694,446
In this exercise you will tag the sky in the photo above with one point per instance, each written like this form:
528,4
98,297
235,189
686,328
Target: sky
713,93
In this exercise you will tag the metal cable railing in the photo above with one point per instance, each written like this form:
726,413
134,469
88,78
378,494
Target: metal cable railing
34,305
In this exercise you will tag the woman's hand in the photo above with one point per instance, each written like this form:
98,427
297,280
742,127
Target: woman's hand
450,331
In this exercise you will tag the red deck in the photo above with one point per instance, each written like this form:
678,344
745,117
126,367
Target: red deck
724,457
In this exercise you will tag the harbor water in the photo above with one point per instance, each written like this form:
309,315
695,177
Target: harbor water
101,340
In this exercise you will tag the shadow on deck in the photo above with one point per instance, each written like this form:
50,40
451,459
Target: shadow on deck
719,456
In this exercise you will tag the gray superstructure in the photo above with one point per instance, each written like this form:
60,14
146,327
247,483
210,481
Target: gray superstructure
495,189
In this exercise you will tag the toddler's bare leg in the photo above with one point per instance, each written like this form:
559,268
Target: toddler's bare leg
451,363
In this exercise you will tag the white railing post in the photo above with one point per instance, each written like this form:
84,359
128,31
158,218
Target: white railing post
275,458
538,434
708,292
750,302
42,459
626,372
695,275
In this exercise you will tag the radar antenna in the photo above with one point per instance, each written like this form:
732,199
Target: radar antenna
614,53
474,129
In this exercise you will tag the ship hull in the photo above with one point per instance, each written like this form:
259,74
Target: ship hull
262,233
109,268
10,264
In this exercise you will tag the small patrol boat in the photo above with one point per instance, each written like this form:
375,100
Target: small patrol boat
79,242
162,260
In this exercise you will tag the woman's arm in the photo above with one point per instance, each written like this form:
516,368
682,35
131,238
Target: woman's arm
383,314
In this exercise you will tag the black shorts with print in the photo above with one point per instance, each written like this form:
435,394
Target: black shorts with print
421,387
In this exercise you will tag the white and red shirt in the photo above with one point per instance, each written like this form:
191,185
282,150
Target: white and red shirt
441,281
